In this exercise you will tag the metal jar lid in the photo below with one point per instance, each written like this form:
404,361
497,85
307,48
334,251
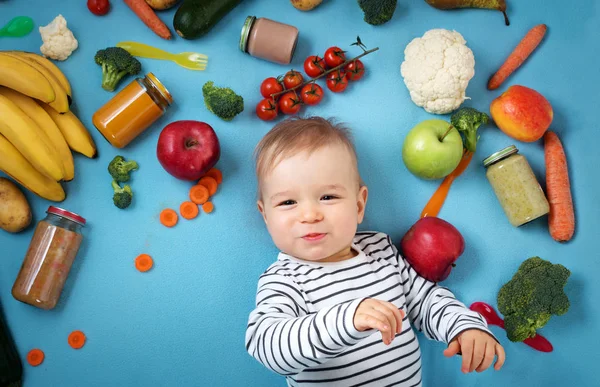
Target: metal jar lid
494,157
160,87
66,214
246,32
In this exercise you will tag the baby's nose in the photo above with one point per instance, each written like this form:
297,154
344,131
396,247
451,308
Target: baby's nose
311,213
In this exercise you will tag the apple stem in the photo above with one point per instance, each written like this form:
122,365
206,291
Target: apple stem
453,265
447,131
190,143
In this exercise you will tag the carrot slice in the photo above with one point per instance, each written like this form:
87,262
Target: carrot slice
189,210
215,174
199,194
143,262
208,207
35,357
76,339
210,183
168,217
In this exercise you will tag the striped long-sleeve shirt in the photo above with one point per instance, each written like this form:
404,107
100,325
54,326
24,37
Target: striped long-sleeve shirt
302,326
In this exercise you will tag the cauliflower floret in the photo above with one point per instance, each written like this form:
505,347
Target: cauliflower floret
59,41
437,69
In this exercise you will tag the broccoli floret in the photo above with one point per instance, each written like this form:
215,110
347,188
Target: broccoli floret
222,101
122,196
532,296
378,11
119,168
467,120
116,63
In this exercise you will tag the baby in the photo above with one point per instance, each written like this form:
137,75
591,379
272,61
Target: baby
331,288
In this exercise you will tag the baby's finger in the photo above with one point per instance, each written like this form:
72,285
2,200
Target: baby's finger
452,349
389,315
478,354
387,334
371,320
466,347
398,314
501,357
490,353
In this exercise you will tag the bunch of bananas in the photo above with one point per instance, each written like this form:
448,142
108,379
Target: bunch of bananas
37,130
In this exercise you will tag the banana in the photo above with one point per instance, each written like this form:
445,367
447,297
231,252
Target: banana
16,166
60,76
29,139
25,79
61,101
43,120
77,136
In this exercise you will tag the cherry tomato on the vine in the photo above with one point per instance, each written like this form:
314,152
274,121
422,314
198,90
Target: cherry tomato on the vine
98,7
311,94
355,70
270,86
334,56
314,66
292,79
290,103
336,81
267,109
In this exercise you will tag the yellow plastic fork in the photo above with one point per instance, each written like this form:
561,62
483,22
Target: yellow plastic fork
189,60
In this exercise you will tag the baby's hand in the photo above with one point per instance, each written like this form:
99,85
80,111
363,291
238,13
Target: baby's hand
478,350
381,315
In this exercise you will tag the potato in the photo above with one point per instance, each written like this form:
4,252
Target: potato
15,213
161,4
305,5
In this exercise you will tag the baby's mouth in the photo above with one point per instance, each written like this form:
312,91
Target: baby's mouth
313,237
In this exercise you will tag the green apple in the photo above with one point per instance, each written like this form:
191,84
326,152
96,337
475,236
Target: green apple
430,155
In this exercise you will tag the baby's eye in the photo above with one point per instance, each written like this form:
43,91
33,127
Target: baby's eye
329,197
287,203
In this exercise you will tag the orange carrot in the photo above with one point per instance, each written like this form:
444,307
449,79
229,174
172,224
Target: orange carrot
35,357
143,262
199,194
215,174
189,210
76,339
208,207
561,220
516,58
209,183
148,16
168,217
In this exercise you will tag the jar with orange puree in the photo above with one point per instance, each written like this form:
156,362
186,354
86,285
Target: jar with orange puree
132,110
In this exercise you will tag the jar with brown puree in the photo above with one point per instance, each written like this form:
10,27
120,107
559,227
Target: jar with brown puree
48,260
515,186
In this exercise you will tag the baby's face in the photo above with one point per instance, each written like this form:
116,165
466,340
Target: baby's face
312,204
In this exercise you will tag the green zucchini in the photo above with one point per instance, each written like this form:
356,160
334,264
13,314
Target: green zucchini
11,369
195,18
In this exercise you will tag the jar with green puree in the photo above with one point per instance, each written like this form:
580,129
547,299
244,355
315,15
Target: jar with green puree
515,186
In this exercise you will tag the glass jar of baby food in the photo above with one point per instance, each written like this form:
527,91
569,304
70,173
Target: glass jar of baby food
51,252
515,186
270,40
132,110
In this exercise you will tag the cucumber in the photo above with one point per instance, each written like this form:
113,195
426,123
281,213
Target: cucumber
195,18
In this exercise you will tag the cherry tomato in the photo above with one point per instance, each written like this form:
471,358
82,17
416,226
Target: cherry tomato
290,103
311,94
334,56
354,70
267,109
292,79
314,66
270,86
98,7
336,81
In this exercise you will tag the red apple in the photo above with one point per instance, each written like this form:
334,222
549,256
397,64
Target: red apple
431,246
188,149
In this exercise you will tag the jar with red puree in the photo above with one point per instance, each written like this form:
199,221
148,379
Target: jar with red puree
48,261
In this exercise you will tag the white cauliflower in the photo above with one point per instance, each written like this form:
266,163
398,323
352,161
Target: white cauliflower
437,69
59,41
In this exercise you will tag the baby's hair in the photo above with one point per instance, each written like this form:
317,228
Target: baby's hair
295,135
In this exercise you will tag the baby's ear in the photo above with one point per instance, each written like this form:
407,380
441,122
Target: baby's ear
363,194
261,208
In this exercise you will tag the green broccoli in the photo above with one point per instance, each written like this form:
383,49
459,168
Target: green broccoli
119,168
378,11
222,101
532,296
116,63
122,196
467,120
